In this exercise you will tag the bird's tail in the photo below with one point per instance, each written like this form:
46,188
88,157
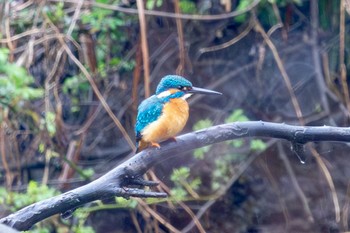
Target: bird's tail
141,145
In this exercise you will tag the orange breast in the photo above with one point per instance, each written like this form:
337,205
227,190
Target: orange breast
173,120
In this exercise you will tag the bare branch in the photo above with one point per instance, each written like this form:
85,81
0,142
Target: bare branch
117,181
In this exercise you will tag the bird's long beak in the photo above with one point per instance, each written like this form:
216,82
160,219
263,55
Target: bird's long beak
197,90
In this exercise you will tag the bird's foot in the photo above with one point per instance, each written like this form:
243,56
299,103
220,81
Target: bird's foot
154,144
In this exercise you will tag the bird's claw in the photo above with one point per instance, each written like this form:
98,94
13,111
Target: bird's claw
154,144
142,182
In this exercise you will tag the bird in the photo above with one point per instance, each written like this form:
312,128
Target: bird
163,115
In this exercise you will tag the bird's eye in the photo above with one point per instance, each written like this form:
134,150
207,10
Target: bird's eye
183,88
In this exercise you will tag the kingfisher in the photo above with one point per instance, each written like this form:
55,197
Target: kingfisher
163,115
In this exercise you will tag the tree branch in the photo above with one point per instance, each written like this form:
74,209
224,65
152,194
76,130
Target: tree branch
117,181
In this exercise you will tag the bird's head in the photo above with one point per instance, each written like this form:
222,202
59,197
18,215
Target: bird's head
174,86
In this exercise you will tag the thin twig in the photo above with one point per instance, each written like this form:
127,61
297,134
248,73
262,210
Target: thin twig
21,35
342,55
329,180
300,193
193,216
134,220
182,56
75,17
95,89
230,42
144,46
8,173
8,31
316,54
345,209
158,217
283,71
277,192
100,97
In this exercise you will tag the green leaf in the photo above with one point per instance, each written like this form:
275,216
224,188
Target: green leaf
200,152
237,143
150,4
243,4
215,185
126,203
50,123
178,193
237,115
195,183
88,172
39,230
83,229
188,7
34,193
202,124
257,145
15,83
181,173
4,55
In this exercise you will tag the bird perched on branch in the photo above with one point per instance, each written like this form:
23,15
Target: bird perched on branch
163,115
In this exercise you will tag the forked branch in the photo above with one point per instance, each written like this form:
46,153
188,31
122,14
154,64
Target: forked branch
118,181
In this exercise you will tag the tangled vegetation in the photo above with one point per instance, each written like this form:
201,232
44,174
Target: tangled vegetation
73,72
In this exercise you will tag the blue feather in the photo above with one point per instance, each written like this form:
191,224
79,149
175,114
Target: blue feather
149,111
172,81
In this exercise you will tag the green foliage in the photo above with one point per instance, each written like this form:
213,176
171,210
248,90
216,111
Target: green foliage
221,172
265,11
100,19
88,173
200,152
237,115
184,184
151,4
188,7
55,12
82,215
283,3
257,145
180,174
77,87
15,83
126,203
109,25
34,193
39,230
178,193
243,4
50,123
37,192
223,164
237,143
202,124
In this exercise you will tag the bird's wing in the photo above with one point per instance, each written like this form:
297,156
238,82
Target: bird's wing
149,111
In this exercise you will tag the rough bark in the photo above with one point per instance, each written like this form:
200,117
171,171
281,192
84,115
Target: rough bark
117,181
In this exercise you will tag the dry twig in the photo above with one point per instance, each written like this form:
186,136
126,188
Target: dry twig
144,46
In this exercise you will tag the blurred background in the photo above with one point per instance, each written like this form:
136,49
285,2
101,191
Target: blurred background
72,73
